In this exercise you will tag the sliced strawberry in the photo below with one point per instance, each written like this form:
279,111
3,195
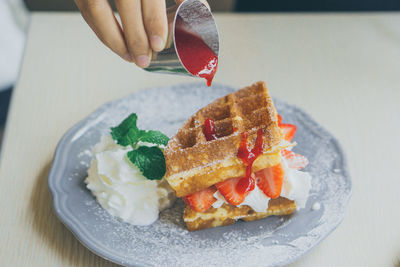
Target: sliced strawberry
236,189
269,180
288,130
294,160
279,119
202,200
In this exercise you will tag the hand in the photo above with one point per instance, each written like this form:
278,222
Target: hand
144,26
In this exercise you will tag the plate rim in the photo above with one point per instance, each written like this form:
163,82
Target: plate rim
95,247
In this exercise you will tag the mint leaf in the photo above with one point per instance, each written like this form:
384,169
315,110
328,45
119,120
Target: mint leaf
127,133
154,137
150,161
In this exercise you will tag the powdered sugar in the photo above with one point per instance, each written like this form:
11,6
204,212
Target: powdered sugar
271,241
316,206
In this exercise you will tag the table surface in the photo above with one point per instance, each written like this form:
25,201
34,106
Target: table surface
343,69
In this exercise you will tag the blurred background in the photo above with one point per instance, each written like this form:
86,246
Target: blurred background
14,26
254,5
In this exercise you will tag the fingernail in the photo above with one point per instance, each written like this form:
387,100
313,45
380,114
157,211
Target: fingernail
142,61
128,57
157,43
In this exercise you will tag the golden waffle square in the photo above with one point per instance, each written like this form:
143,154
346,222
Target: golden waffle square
193,163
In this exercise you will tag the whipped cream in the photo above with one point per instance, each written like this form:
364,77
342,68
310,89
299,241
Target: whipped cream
296,186
120,187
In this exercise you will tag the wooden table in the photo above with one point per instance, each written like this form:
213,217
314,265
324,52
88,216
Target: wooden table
343,69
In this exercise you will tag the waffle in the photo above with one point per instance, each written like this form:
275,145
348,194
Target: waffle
194,164
228,214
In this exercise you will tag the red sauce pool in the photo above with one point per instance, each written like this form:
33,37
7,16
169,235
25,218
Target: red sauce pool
194,53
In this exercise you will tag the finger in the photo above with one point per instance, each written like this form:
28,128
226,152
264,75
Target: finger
100,17
155,23
130,12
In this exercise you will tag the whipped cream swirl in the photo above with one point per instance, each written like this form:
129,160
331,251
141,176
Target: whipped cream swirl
120,187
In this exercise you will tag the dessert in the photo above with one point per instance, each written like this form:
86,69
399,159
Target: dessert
126,189
232,160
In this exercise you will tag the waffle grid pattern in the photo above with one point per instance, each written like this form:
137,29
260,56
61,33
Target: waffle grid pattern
247,109
237,112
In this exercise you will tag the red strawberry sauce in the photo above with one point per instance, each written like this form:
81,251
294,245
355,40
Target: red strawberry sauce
194,53
209,130
248,156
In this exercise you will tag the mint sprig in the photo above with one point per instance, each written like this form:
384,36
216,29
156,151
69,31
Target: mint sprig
150,160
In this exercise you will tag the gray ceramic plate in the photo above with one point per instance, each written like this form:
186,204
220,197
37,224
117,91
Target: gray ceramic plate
271,241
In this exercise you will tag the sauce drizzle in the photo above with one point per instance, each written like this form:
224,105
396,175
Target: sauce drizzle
248,156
